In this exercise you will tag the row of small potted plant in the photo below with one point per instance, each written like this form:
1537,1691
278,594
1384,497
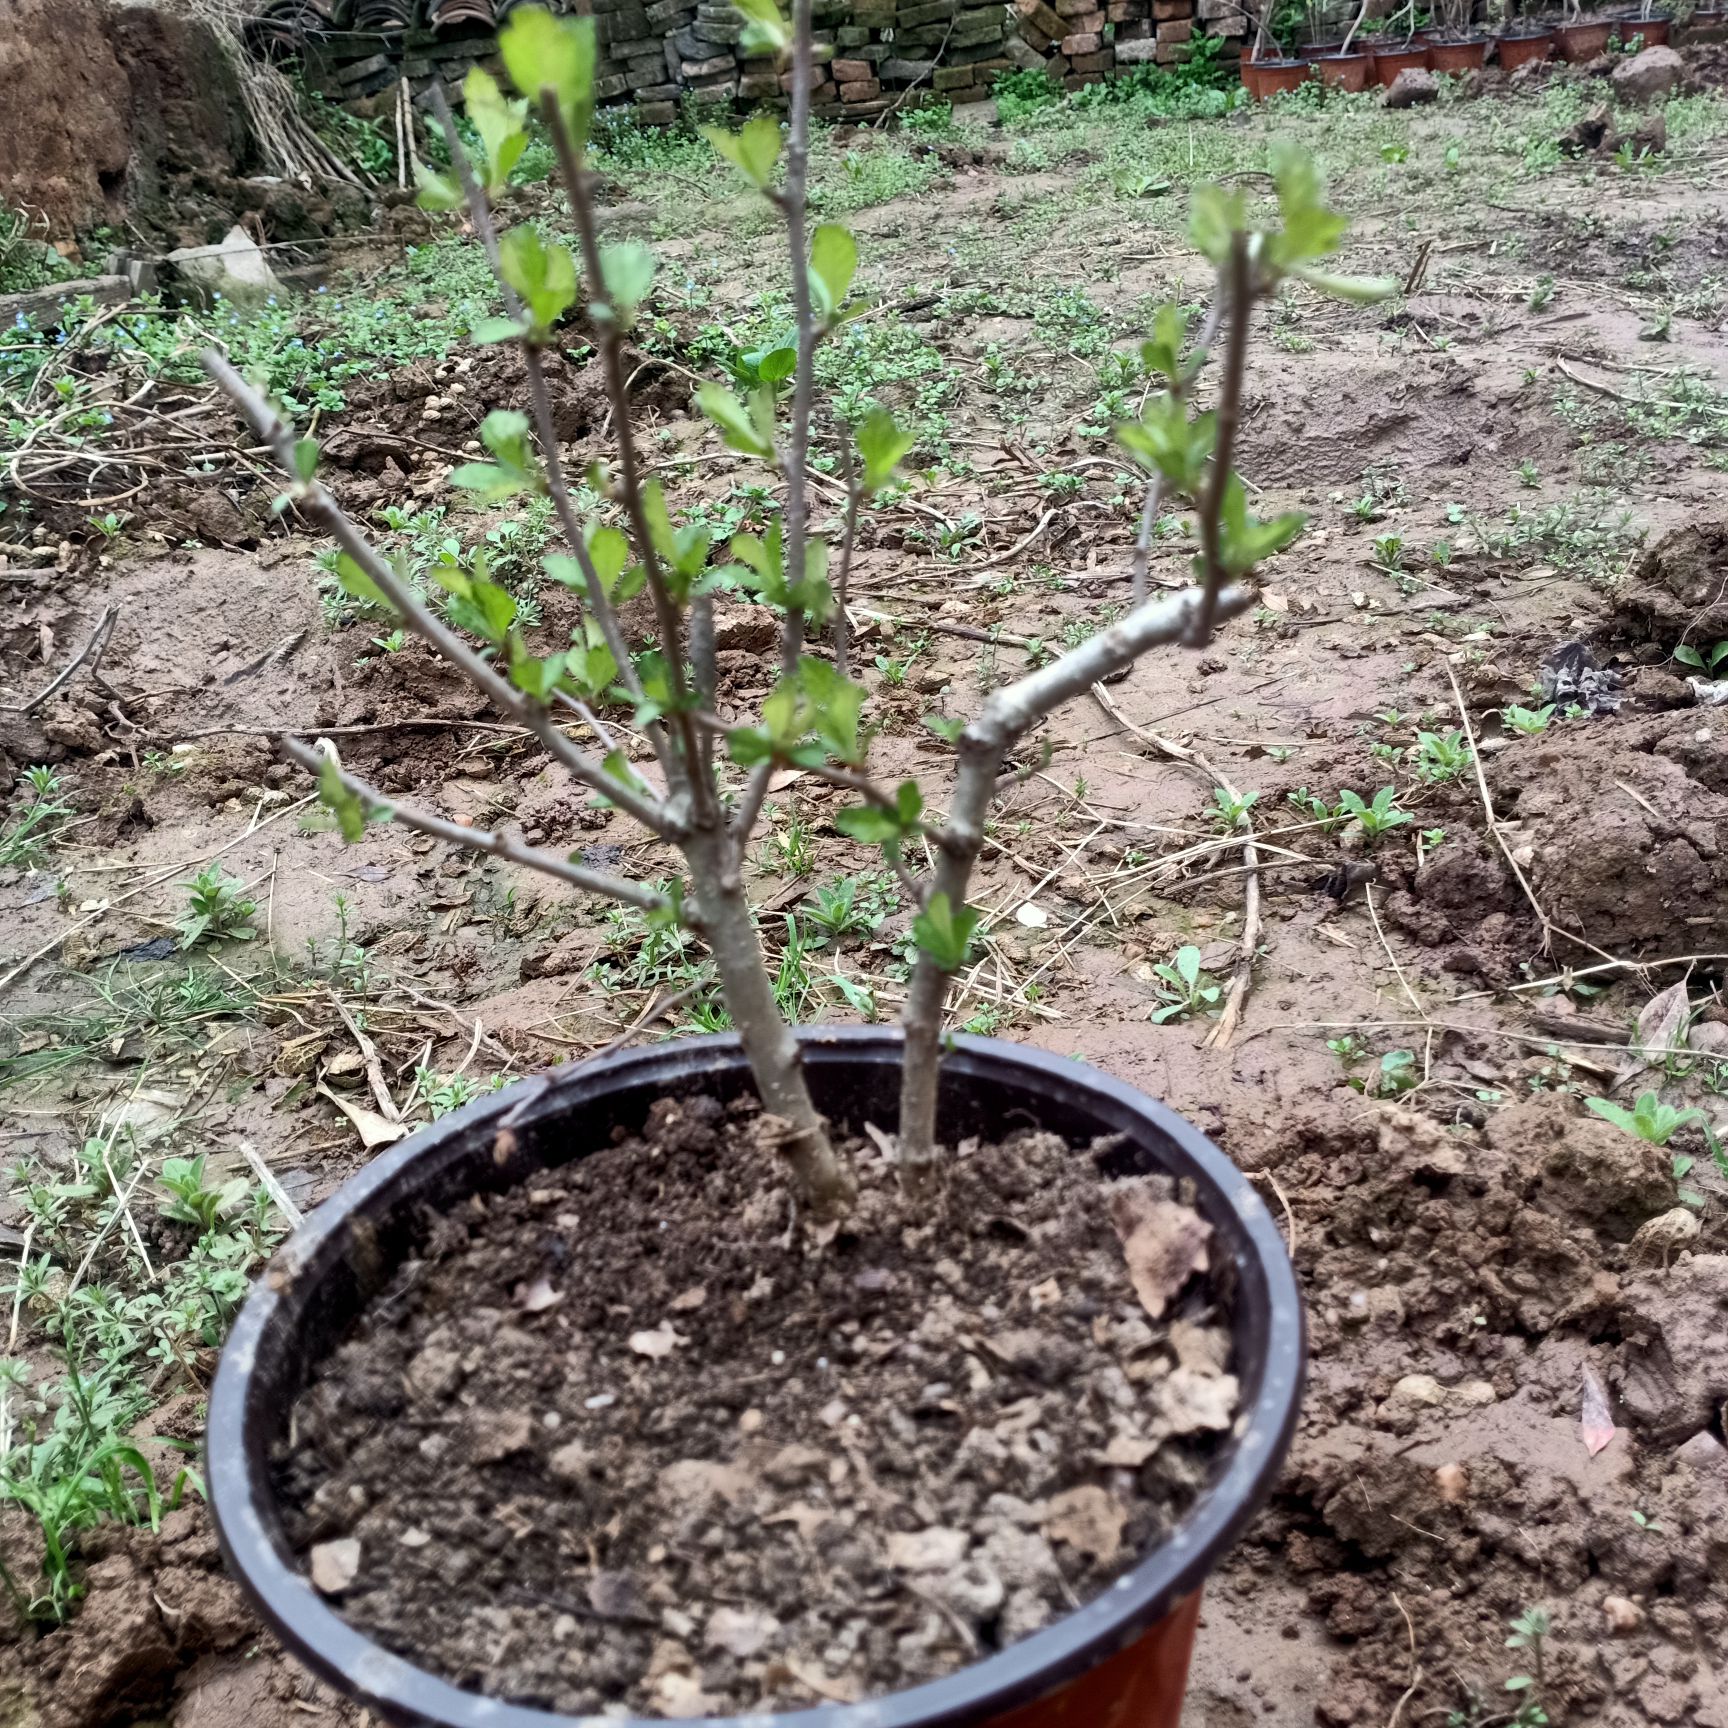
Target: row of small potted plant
1450,40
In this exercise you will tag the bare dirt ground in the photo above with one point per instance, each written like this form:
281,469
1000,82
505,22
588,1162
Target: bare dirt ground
1538,422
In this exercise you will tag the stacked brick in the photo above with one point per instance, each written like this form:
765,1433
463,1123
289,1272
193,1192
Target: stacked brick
872,54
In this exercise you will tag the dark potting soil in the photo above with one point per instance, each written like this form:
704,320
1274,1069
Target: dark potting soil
626,1435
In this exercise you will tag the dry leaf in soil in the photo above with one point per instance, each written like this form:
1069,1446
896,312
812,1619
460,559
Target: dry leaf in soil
1595,1423
932,1550
740,1632
1163,1242
1661,1032
1090,1520
537,1297
335,1565
1191,1402
662,1341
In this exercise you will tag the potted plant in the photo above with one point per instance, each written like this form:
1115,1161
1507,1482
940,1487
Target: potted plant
1347,67
1580,39
448,1382
1395,49
1644,26
1454,46
1269,67
1521,39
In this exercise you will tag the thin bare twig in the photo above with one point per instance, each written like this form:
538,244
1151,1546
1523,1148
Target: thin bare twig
91,651
485,840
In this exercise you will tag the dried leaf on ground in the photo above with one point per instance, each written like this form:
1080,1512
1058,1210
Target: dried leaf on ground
1661,1031
662,1341
1595,1423
373,1129
1163,1241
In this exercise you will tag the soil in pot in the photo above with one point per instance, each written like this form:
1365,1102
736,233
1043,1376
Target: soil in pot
1343,71
1457,57
668,1455
1389,62
1518,49
1582,42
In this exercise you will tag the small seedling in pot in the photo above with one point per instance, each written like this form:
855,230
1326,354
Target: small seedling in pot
1702,661
1650,1119
1378,816
216,909
1528,722
1183,988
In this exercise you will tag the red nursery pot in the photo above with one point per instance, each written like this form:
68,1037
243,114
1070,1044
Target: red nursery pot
1582,42
1514,50
1389,62
1458,57
1117,1661
1265,78
1343,71
1654,30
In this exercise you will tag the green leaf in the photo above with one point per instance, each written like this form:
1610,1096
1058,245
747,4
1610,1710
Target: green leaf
536,677
833,264
1243,538
1214,219
776,365
357,585
834,706
737,426
881,446
1689,656
437,191
1162,351
556,54
627,269
944,933
753,150
344,805
500,123
1188,965
609,552
765,31
497,330
544,276
486,480
1165,441
1310,229
305,458
864,822
1365,290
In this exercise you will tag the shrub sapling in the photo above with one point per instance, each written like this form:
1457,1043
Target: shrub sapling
706,773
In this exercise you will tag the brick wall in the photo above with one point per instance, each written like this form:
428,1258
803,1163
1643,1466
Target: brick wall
873,54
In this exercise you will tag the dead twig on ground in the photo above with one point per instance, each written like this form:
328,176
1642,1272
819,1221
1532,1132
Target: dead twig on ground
91,651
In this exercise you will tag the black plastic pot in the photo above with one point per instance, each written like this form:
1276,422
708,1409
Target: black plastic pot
1121,1658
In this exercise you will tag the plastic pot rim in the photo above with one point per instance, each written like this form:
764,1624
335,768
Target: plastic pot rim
257,1551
